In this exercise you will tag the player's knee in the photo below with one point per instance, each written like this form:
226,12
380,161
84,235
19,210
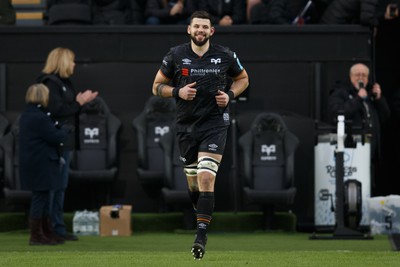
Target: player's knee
206,181
191,169
208,164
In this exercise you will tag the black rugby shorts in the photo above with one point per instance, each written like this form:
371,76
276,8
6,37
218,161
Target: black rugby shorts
212,141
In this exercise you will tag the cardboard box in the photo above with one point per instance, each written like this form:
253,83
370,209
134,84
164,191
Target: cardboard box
115,220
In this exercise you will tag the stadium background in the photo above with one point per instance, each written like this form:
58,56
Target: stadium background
291,70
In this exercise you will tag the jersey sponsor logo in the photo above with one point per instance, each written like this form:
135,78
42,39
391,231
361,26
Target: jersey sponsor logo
268,149
212,147
216,60
185,72
186,61
202,72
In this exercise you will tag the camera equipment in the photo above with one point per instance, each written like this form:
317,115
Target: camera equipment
348,194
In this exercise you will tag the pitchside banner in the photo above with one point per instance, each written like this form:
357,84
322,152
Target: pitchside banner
356,166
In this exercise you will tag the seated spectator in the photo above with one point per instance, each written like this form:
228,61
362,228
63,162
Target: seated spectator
169,11
351,12
368,13
286,11
7,13
249,6
225,13
68,12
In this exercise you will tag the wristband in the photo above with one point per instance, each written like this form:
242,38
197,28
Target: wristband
160,89
231,95
175,92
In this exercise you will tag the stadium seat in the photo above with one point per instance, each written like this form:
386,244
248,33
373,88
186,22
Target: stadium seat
268,150
69,12
111,12
156,120
96,162
29,12
13,194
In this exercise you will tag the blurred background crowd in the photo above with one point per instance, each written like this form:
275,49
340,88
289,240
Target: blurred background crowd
224,12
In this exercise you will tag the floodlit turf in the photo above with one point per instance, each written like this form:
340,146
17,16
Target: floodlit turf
223,249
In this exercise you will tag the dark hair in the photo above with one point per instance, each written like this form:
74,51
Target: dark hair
200,14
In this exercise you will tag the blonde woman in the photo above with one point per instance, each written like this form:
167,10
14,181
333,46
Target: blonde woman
64,104
39,161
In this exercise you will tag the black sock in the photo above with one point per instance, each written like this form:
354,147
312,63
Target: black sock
194,197
205,208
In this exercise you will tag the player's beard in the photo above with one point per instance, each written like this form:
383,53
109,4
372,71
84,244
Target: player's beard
199,43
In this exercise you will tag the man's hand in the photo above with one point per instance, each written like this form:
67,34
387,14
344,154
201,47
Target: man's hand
176,9
188,92
376,91
362,93
222,99
226,21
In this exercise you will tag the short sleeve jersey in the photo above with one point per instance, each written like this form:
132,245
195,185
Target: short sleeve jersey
211,72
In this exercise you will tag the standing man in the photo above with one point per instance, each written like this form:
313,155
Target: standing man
361,102
196,74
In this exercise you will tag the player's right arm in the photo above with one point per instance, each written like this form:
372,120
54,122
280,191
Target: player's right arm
161,85
162,88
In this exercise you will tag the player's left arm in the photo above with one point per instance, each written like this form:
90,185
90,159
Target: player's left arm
239,84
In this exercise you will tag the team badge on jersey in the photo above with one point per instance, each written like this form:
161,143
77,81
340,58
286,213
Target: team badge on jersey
216,60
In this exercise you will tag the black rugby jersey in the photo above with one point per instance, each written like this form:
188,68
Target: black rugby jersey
212,72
